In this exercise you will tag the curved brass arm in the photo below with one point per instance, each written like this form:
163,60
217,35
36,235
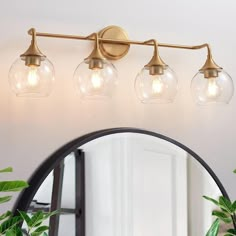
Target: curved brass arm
154,43
116,41
96,57
195,47
156,66
33,56
122,42
96,53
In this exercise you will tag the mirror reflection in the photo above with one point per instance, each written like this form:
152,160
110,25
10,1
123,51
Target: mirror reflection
128,184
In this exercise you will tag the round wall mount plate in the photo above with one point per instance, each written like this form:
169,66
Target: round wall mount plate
113,51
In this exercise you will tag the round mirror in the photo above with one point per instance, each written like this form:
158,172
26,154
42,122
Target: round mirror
123,182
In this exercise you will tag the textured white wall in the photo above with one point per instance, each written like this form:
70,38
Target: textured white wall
31,129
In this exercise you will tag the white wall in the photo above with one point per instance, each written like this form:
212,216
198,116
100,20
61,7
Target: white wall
31,129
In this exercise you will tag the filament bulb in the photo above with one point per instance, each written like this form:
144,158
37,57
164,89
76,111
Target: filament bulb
32,77
213,89
96,79
157,85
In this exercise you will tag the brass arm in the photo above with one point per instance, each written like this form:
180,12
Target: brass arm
122,42
196,47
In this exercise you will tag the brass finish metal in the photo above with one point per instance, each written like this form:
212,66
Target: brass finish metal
156,70
32,60
156,65
210,68
96,53
114,44
95,59
156,61
210,73
114,51
95,64
120,41
33,56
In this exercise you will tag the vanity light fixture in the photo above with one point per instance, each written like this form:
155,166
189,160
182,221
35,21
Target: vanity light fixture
95,77
33,74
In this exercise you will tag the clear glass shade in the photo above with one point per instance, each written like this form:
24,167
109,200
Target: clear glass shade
35,81
156,88
95,83
212,90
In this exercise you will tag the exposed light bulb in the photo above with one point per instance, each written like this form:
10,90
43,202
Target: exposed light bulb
95,82
96,79
32,77
31,80
154,88
213,89
157,85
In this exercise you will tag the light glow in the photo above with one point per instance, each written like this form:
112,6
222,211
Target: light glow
97,80
213,89
157,85
32,77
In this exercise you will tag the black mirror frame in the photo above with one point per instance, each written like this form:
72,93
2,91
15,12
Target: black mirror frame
23,201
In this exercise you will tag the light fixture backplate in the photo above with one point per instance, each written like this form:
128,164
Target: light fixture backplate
113,51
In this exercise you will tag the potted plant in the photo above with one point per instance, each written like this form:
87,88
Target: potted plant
224,214
9,224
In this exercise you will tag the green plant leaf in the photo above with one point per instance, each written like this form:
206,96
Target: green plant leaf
8,169
226,217
211,200
225,203
214,229
9,224
45,234
12,186
5,215
40,230
5,199
234,206
10,232
231,232
36,219
234,171
25,217
15,231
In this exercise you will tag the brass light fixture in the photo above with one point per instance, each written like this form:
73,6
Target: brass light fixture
32,74
156,82
96,76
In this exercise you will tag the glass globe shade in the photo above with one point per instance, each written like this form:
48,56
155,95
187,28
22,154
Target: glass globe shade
156,88
95,83
31,81
212,90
